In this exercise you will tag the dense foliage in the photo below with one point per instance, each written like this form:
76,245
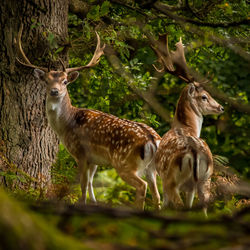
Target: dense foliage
216,35
220,50
124,29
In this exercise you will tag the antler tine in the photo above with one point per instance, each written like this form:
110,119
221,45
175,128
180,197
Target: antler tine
19,36
63,65
173,62
99,51
27,63
163,54
208,78
49,66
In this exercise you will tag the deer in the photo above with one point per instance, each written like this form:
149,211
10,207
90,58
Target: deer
184,160
95,138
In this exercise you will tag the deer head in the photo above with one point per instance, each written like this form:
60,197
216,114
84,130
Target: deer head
201,100
58,80
174,62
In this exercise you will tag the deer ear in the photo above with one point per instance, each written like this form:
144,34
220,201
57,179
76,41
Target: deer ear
191,89
39,74
73,76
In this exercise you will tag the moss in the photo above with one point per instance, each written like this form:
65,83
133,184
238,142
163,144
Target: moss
22,229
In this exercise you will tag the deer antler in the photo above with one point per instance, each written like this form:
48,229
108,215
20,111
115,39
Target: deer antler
173,62
27,63
99,51
63,65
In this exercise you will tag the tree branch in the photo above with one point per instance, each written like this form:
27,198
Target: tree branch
191,10
147,96
130,7
163,8
183,22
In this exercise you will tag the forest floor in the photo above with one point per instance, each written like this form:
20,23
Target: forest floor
123,228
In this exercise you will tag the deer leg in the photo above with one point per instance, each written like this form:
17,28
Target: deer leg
84,179
92,170
204,194
140,185
165,197
190,198
151,179
171,194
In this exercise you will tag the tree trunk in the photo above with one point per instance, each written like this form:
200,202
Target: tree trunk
26,140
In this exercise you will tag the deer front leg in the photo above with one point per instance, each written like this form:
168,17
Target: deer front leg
92,170
140,185
171,194
84,178
151,179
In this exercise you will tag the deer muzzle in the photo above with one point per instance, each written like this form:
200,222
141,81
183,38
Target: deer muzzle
54,92
220,109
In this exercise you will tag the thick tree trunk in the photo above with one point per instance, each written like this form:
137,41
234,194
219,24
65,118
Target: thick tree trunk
26,140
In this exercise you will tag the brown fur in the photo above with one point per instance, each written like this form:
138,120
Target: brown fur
181,141
96,138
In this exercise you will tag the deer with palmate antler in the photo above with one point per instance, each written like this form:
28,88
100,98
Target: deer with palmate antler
183,160
96,138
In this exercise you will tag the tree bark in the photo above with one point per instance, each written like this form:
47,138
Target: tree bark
26,140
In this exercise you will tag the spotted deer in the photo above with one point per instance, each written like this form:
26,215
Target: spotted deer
96,138
183,160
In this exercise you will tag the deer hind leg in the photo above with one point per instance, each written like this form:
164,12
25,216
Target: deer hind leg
204,194
190,198
92,171
189,187
151,179
140,185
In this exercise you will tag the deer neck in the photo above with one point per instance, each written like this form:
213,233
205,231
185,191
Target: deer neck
59,112
188,117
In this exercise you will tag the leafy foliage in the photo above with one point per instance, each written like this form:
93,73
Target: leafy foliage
105,90
212,46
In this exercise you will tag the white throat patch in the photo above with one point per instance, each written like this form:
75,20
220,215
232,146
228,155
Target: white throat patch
54,106
199,121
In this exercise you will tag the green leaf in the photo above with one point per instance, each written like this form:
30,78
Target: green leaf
59,50
104,8
94,13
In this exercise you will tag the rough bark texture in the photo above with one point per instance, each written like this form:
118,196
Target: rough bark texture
25,136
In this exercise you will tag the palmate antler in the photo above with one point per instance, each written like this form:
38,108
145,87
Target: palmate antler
99,51
173,62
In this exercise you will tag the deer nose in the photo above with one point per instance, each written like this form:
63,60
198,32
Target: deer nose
54,92
221,109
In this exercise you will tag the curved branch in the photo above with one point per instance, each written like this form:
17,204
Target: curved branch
165,10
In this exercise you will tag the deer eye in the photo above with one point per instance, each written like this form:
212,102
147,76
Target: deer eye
204,98
65,82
